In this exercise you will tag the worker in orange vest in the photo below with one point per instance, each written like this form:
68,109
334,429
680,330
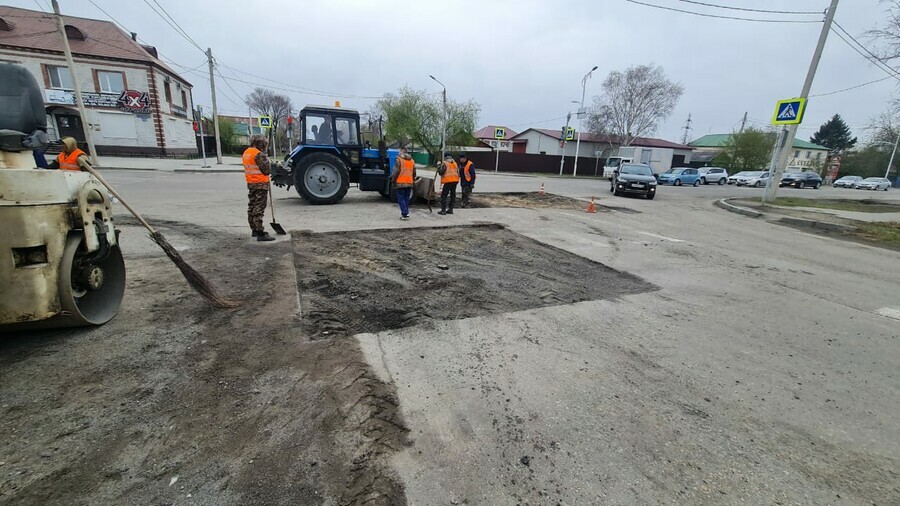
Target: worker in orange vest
68,157
449,172
256,172
467,179
402,177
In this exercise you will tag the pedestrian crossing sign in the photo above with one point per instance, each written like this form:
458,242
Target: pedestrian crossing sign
789,112
265,122
500,133
570,134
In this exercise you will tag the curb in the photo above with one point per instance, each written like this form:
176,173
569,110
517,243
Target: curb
724,204
821,225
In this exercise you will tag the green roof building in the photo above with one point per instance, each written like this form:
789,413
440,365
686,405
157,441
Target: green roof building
806,155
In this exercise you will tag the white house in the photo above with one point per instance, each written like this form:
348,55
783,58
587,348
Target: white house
135,103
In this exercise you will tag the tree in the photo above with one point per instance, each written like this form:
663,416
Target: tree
834,134
634,102
747,150
227,135
888,35
415,116
870,161
269,103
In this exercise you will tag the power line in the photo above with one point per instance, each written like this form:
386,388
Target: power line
294,88
851,88
745,9
236,94
864,48
537,122
722,17
878,64
175,26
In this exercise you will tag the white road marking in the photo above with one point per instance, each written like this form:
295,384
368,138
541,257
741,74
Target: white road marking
889,312
658,236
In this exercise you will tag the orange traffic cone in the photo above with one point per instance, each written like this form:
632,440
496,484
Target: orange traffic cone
542,190
591,207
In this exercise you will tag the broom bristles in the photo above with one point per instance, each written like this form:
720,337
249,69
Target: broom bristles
194,278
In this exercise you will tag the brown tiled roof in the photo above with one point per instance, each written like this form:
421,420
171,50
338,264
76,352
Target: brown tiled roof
646,142
488,132
37,30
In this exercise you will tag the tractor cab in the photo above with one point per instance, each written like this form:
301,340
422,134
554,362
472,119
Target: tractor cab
330,155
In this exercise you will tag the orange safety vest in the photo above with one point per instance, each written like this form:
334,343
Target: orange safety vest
451,173
406,171
251,171
466,175
70,162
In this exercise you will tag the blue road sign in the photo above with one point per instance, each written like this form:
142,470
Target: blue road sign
789,112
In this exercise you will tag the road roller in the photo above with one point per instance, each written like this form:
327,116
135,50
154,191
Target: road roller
60,261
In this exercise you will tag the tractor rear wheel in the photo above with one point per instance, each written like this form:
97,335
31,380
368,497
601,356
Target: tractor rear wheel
322,178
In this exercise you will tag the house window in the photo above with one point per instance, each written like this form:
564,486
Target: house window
184,99
808,154
111,82
819,155
73,33
168,88
797,154
59,77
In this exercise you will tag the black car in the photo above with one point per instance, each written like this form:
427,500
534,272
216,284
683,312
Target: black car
634,178
802,180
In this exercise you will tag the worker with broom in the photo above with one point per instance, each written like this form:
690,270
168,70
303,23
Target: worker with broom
256,171
68,157
449,172
403,177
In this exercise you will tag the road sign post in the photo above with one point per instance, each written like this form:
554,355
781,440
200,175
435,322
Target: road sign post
499,135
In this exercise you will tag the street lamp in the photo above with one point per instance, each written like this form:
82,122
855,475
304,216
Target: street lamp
581,119
443,121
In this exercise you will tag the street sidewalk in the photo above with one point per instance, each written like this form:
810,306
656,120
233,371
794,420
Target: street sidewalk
229,164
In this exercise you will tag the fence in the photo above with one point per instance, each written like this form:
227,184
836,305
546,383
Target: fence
536,164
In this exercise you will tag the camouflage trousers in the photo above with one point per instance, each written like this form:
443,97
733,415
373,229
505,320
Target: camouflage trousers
256,209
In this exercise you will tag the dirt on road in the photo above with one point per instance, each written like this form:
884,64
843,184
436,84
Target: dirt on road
369,281
174,402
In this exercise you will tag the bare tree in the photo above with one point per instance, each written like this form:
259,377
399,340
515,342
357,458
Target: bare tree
633,103
888,35
269,103
884,128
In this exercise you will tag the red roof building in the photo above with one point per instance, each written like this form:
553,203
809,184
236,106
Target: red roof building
136,104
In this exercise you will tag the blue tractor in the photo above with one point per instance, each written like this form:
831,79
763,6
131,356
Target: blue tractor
330,156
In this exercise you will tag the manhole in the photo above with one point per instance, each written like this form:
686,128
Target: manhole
369,281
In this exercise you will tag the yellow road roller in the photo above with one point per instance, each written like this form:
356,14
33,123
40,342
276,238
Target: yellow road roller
60,262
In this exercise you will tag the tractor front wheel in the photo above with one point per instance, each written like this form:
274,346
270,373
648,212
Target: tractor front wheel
322,178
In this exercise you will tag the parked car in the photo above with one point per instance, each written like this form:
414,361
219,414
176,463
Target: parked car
716,175
801,180
874,183
679,176
744,173
847,182
754,179
634,178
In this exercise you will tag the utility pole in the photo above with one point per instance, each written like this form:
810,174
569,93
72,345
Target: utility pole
743,123
202,140
687,130
785,143
562,143
215,110
891,161
85,127
443,122
581,115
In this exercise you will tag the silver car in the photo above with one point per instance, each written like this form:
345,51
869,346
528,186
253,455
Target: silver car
740,175
874,183
754,179
709,175
847,182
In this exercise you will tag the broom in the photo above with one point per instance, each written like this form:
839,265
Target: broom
194,278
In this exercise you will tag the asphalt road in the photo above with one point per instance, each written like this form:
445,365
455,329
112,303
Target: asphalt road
758,371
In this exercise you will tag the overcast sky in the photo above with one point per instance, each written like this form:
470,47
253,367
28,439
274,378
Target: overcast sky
522,60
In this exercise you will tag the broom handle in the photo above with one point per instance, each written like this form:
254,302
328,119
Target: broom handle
86,166
271,201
